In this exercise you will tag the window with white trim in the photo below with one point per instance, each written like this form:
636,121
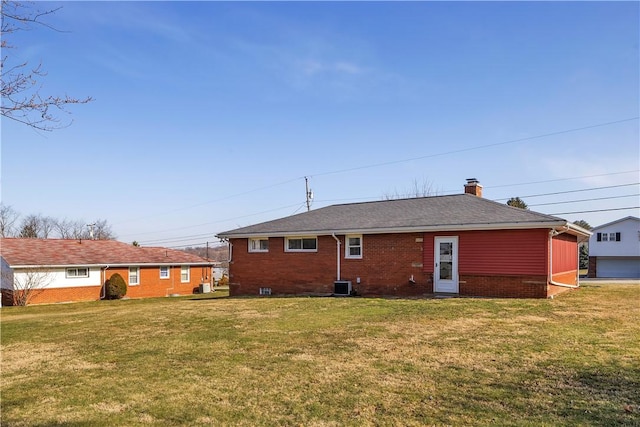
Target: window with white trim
609,237
265,291
134,276
259,244
77,272
301,244
164,272
353,247
185,274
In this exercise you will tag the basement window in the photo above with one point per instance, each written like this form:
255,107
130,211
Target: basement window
265,291
74,273
260,244
301,244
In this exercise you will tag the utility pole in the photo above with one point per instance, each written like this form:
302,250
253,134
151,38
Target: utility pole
309,193
91,230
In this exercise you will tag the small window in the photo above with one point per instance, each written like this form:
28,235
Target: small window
164,272
353,248
185,274
605,237
73,273
134,275
265,291
302,244
259,245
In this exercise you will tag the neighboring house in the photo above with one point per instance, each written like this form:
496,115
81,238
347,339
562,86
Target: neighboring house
65,270
614,249
460,244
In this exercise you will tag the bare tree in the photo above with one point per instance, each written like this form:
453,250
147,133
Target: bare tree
30,227
69,229
417,189
8,217
22,100
47,225
29,283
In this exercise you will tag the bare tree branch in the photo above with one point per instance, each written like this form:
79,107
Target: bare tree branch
8,217
29,283
20,86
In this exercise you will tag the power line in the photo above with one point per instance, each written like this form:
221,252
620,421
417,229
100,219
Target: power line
585,200
462,150
478,147
217,221
571,191
596,210
562,179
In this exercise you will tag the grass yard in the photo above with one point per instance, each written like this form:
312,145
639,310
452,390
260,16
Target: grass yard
210,360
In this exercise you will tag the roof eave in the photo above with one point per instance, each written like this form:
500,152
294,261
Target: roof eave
393,230
109,265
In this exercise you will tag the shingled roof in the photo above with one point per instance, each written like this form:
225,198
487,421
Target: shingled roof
455,212
67,252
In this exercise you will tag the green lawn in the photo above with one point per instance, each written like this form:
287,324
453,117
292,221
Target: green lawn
211,360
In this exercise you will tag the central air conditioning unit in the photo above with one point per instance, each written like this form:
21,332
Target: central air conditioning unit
342,287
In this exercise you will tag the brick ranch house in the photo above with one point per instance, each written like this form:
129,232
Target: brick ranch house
67,270
459,244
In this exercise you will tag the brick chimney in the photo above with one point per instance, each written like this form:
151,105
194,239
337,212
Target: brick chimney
473,187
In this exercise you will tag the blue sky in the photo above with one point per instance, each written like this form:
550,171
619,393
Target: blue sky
208,115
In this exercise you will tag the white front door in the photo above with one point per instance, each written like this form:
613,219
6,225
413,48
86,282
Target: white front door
445,273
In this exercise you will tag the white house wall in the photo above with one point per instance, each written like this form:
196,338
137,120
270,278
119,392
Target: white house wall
629,244
57,278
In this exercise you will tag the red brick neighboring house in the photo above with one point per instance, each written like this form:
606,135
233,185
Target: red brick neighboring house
76,270
460,244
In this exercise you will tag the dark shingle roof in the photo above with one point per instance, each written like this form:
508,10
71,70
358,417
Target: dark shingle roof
462,211
63,252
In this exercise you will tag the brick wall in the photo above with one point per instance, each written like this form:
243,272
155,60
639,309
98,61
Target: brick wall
150,286
84,293
504,286
387,264
390,260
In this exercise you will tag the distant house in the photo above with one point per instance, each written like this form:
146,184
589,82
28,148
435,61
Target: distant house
460,244
76,270
614,249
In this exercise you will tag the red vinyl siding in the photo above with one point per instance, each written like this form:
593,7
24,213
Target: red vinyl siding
499,252
565,249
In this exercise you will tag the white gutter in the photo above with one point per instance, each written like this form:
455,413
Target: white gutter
553,232
338,243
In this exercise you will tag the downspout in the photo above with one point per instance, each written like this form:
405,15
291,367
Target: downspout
553,233
338,243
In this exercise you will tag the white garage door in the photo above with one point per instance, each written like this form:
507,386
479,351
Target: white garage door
618,267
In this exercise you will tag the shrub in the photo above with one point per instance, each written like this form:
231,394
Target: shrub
224,281
115,287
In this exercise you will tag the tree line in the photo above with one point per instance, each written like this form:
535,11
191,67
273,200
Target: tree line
37,226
